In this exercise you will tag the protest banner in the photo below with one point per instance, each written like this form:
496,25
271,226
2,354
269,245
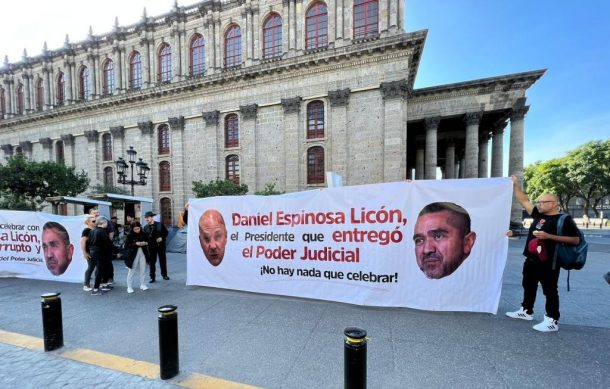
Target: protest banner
365,245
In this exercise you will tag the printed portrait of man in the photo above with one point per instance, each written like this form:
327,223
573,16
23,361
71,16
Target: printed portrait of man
56,248
213,236
443,239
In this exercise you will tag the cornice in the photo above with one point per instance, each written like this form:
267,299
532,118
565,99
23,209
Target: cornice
211,117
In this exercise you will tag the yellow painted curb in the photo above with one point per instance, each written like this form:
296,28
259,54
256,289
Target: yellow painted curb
122,364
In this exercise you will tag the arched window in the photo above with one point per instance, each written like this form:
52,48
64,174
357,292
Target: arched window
165,63
366,15
2,103
83,84
39,95
232,169
231,131
107,147
165,179
165,205
233,46
163,139
20,99
315,120
316,26
272,36
135,71
197,55
108,177
59,151
61,84
108,85
315,165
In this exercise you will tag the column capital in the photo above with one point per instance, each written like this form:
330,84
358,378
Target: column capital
92,135
472,118
395,89
211,117
26,146
146,127
519,113
339,97
432,123
292,105
117,132
176,123
46,143
248,111
68,139
7,148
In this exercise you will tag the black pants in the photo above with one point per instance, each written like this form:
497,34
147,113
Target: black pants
534,272
154,252
91,264
102,271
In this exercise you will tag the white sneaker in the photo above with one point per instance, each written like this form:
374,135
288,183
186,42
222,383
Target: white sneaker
87,288
547,325
520,314
129,290
143,287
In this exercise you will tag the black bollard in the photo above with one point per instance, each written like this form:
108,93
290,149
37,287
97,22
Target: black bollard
355,358
52,326
168,341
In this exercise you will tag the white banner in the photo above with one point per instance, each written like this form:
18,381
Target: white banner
434,245
41,246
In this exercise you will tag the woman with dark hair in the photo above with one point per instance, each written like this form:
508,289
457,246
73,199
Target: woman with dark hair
102,251
138,253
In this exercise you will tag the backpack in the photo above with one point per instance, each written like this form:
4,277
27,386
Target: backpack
570,257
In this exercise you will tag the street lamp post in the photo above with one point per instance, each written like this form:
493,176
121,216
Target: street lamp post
141,169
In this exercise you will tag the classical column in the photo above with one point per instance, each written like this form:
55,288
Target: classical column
8,110
338,139
93,157
176,52
384,11
69,146
339,23
27,78
515,154
256,35
394,130
118,141
178,163
213,133
68,74
147,130
145,58
497,150
394,15
292,172
483,155
450,160
472,120
419,162
247,141
285,26
210,44
47,88
219,40
246,14
47,144
431,147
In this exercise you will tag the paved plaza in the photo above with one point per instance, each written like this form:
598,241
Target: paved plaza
238,339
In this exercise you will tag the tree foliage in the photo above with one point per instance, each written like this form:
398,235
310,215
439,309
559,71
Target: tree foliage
269,190
218,187
26,184
584,172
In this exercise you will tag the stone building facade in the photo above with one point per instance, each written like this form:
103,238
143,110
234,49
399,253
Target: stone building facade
259,92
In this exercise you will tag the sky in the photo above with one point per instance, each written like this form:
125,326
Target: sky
467,40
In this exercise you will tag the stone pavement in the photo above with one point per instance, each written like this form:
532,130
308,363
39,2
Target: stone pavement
283,342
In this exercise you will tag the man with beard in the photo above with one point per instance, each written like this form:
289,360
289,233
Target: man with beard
442,238
56,247
213,236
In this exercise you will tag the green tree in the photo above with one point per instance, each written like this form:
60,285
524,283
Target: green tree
550,177
26,184
218,187
269,190
589,170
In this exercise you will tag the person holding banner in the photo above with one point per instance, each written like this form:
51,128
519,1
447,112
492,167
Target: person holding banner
539,250
84,245
443,239
213,236
56,247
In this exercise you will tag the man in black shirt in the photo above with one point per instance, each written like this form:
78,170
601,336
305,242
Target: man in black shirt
156,233
539,250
